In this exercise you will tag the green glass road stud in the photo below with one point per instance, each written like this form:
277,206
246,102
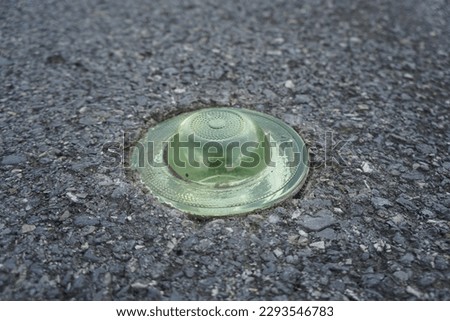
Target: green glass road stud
221,161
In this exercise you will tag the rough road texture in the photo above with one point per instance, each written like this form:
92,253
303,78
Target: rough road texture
373,224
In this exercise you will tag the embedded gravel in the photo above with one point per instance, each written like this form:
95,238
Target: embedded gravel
365,82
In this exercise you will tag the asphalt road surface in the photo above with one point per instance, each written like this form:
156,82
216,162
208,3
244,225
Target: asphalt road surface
365,82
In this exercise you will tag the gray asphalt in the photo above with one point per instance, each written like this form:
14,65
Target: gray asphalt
365,82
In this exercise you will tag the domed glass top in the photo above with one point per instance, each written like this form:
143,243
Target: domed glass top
219,147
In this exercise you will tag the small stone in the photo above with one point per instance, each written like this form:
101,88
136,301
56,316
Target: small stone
351,294
363,107
441,263
170,71
273,219
139,285
82,110
88,230
26,228
302,241
81,195
153,294
303,233
407,259
88,120
278,252
289,84
13,159
327,233
281,211
279,40
292,259
323,219
79,282
398,219
380,245
55,59
411,290
399,239
379,202
4,61
64,216
107,279
90,256
427,279
274,52
405,96
171,244
302,99
179,90
366,167
372,279
119,192
318,245
414,175
296,214
269,94
86,221
189,272
401,275
72,197
426,149
141,100
446,165
406,203
408,76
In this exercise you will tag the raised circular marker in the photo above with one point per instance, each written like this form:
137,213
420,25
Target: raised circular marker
221,161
